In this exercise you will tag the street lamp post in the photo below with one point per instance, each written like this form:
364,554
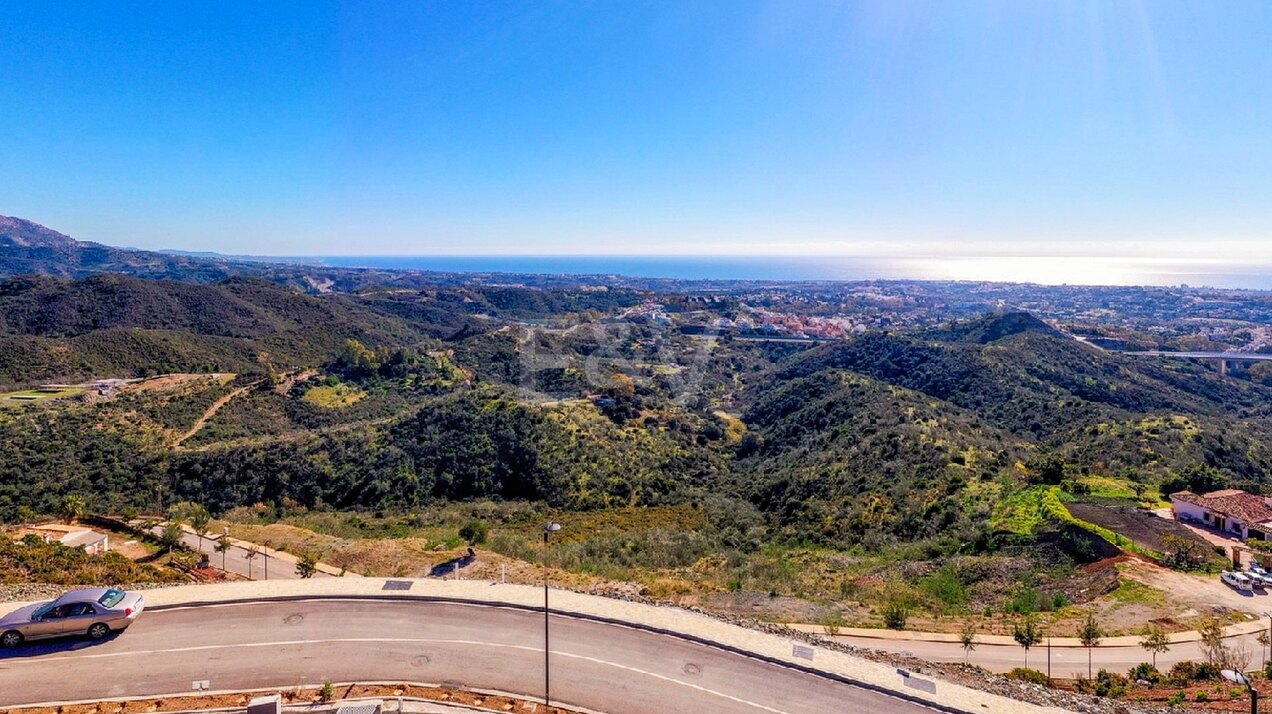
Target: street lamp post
548,529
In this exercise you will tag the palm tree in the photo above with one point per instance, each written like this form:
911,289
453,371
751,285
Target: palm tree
199,520
1089,635
74,507
968,639
1027,633
249,557
170,536
1154,641
223,546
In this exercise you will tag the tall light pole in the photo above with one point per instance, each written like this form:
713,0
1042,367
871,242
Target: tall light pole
548,529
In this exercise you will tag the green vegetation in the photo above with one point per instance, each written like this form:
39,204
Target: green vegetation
896,476
334,395
307,565
1031,676
33,560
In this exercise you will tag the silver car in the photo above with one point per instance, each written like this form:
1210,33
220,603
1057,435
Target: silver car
95,612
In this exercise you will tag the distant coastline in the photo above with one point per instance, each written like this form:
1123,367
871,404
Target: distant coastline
1067,270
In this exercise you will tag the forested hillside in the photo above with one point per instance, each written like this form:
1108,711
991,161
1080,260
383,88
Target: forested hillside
398,399
118,326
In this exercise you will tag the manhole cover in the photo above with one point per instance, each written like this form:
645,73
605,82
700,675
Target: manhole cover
420,661
397,585
293,619
693,669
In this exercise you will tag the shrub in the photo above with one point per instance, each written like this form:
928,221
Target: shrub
1202,697
1205,671
895,616
1183,673
475,532
1176,699
1024,674
1110,684
1145,672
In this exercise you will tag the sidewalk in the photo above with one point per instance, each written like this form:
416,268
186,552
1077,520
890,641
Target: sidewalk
898,636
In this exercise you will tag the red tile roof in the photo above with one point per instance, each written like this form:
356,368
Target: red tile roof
1230,503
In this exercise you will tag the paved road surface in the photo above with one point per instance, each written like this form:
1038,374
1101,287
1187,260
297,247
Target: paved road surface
608,668
235,559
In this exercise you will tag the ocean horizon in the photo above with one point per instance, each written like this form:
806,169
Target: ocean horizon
1068,270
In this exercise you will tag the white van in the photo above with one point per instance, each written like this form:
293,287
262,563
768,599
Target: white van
1237,581
1258,580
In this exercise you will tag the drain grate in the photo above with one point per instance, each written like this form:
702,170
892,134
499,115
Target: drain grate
397,584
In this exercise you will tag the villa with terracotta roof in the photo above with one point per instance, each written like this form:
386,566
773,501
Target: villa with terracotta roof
1231,510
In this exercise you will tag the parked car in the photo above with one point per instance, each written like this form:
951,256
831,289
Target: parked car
1259,571
95,612
1237,581
1259,582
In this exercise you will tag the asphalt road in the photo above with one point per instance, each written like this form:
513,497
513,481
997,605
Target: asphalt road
607,668
235,559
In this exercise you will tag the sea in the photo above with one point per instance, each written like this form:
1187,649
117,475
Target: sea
1068,270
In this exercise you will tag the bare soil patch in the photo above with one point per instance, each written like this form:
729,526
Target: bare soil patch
1142,527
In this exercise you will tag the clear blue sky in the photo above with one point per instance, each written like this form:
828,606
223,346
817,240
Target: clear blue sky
632,127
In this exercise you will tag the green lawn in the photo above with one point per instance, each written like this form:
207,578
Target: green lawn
30,396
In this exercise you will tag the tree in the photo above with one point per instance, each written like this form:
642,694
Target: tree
249,556
1048,469
1263,640
73,507
223,546
199,520
1154,641
1211,641
1090,635
307,565
1220,654
967,637
1184,553
1027,633
171,535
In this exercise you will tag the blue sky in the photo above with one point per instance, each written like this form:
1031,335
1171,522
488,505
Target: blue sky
629,127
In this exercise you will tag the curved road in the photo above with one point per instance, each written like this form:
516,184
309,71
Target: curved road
605,667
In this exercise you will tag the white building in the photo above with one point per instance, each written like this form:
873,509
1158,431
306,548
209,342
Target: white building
73,537
1231,510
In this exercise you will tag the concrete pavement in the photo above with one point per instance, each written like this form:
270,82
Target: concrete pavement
1000,653
608,655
